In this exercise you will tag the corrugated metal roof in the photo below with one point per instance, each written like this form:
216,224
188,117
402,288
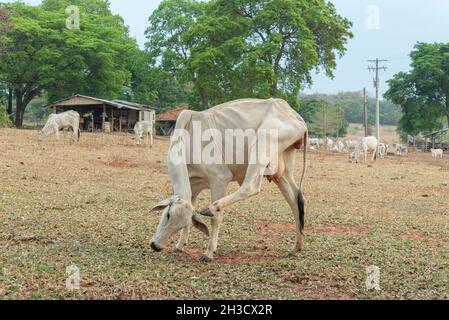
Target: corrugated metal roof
133,104
116,103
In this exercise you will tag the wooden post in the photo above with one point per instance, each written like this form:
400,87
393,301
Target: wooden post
120,121
104,116
112,119
365,112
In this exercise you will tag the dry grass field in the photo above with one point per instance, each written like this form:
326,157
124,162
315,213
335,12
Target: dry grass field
88,204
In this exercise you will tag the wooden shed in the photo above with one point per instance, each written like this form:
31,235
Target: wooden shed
166,122
427,145
104,115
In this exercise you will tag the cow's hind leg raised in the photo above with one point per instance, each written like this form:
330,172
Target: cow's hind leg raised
250,187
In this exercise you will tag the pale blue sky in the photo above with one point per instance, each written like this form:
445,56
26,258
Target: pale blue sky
402,24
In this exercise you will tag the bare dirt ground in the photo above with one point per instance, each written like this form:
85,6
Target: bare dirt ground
88,204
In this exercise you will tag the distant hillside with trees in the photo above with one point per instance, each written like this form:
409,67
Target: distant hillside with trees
351,103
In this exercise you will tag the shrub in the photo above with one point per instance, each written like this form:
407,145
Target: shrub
5,121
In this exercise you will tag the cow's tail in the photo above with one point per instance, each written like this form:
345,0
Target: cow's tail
79,134
301,202
304,169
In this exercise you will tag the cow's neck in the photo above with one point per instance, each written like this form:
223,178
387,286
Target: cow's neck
180,180
179,176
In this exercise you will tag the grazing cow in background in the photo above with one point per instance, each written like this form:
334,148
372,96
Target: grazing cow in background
382,150
144,128
188,180
315,142
321,142
401,149
351,144
365,145
329,143
437,153
57,122
338,147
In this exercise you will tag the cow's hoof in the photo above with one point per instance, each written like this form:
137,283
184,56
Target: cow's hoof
205,259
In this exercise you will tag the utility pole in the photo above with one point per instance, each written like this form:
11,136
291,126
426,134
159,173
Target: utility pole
324,123
376,68
365,112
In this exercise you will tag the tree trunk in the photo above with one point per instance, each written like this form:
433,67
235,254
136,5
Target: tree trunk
20,109
204,98
274,89
9,110
22,101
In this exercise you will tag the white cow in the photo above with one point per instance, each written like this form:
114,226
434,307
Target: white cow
401,149
351,144
57,122
329,144
188,180
315,142
437,153
365,145
382,150
144,128
340,146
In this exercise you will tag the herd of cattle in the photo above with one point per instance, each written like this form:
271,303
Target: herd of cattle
363,146
357,148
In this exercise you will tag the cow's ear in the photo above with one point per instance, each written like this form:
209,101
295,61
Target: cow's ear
161,205
200,225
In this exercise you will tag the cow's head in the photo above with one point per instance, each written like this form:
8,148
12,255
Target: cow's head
44,133
177,214
48,129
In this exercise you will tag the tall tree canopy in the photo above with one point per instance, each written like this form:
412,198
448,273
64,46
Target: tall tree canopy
423,93
4,22
233,48
42,55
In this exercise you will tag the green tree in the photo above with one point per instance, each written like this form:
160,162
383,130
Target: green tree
287,39
166,43
323,119
236,48
423,92
42,55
